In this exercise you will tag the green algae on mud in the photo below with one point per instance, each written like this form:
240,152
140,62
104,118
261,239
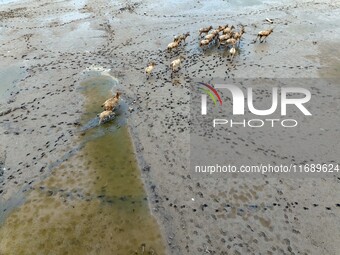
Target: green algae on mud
93,203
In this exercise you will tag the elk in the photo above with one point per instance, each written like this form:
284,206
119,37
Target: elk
176,64
204,42
232,51
205,30
231,41
149,69
111,103
238,35
223,38
221,28
228,30
264,34
181,37
105,116
173,45
210,36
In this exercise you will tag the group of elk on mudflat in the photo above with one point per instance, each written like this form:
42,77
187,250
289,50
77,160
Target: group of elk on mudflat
222,35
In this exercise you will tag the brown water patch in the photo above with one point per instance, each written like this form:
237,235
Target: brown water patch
329,59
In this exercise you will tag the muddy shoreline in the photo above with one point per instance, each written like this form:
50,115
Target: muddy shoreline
55,42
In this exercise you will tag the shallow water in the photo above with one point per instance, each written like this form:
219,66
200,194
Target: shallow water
93,203
9,77
9,1
329,58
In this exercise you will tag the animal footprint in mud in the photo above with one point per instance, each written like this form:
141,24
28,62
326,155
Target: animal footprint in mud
143,250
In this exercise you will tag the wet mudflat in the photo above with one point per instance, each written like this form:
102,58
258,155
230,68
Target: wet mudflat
92,203
56,41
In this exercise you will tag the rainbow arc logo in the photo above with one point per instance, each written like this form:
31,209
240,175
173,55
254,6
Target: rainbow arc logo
212,93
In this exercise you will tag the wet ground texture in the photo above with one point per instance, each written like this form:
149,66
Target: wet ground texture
42,119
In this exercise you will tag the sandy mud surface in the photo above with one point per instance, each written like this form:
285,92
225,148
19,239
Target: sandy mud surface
48,50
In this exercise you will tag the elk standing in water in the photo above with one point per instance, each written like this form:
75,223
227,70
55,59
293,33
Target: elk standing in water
105,115
111,103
